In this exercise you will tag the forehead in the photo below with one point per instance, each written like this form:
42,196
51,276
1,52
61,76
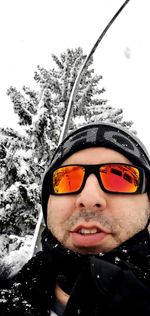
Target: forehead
96,155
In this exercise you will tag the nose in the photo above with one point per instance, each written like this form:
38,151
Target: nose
92,197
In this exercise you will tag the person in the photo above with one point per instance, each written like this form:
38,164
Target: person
95,254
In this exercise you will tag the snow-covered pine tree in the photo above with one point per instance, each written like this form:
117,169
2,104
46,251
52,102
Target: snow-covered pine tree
41,115
18,190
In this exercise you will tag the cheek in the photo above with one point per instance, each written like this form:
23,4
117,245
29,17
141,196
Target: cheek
131,213
123,204
59,209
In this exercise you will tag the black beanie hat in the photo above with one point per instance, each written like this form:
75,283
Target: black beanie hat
101,134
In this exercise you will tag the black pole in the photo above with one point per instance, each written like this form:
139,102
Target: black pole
78,78
35,247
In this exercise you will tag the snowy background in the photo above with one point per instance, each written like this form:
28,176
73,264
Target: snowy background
32,30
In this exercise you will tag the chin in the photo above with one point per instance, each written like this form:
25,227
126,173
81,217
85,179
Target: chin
89,250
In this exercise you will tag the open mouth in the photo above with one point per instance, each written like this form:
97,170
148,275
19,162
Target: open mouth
85,231
87,235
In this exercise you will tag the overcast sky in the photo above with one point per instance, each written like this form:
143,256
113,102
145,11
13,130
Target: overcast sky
31,30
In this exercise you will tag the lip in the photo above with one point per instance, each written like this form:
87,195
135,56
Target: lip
90,225
91,239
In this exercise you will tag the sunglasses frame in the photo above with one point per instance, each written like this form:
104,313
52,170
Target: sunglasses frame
94,169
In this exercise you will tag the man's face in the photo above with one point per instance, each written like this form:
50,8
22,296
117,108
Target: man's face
94,221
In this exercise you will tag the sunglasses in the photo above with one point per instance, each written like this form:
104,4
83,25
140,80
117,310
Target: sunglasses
112,177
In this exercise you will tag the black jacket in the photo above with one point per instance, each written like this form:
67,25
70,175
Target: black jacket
114,283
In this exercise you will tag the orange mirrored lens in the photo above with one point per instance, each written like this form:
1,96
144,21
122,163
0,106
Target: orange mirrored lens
68,179
120,178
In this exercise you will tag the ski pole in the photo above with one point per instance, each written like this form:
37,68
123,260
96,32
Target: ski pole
35,247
